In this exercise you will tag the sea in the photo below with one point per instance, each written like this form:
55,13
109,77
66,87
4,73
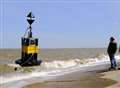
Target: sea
9,55
55,62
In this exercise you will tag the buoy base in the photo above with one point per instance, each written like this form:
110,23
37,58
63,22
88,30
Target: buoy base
28,63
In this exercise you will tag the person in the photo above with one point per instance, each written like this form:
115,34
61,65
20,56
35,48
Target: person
112,48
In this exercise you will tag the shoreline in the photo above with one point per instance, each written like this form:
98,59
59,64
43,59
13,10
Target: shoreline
86,74
78,72
92,77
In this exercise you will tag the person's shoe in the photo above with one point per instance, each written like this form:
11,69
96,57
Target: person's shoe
115,68
118,68
112,68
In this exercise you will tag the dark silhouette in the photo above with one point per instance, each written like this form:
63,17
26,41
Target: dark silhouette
112,48
119,48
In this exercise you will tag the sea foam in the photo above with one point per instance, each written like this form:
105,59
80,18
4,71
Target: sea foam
56,68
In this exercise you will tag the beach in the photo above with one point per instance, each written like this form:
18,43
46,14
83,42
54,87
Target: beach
101,79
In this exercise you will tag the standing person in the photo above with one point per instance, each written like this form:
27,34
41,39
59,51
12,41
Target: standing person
112,48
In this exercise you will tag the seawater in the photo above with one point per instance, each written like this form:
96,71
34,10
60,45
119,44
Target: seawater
55,62
9,55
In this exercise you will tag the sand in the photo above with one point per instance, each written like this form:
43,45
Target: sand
96,79
114,75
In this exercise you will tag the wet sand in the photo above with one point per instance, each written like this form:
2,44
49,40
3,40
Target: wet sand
95,79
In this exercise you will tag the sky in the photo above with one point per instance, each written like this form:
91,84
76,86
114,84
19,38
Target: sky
61,23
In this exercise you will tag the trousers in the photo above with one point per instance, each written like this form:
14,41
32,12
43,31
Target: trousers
112,60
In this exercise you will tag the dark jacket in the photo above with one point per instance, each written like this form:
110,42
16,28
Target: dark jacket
112,48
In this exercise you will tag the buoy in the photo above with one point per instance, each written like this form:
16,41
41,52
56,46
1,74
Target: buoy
29,50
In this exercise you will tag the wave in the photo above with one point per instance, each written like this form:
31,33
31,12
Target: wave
56,68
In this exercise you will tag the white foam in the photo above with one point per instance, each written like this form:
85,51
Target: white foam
58,64
57,68
13,65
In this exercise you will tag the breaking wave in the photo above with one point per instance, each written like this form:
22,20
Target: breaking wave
56,68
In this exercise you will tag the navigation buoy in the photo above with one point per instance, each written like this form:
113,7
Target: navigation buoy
29,50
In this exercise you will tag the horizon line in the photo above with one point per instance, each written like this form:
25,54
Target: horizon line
60,48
